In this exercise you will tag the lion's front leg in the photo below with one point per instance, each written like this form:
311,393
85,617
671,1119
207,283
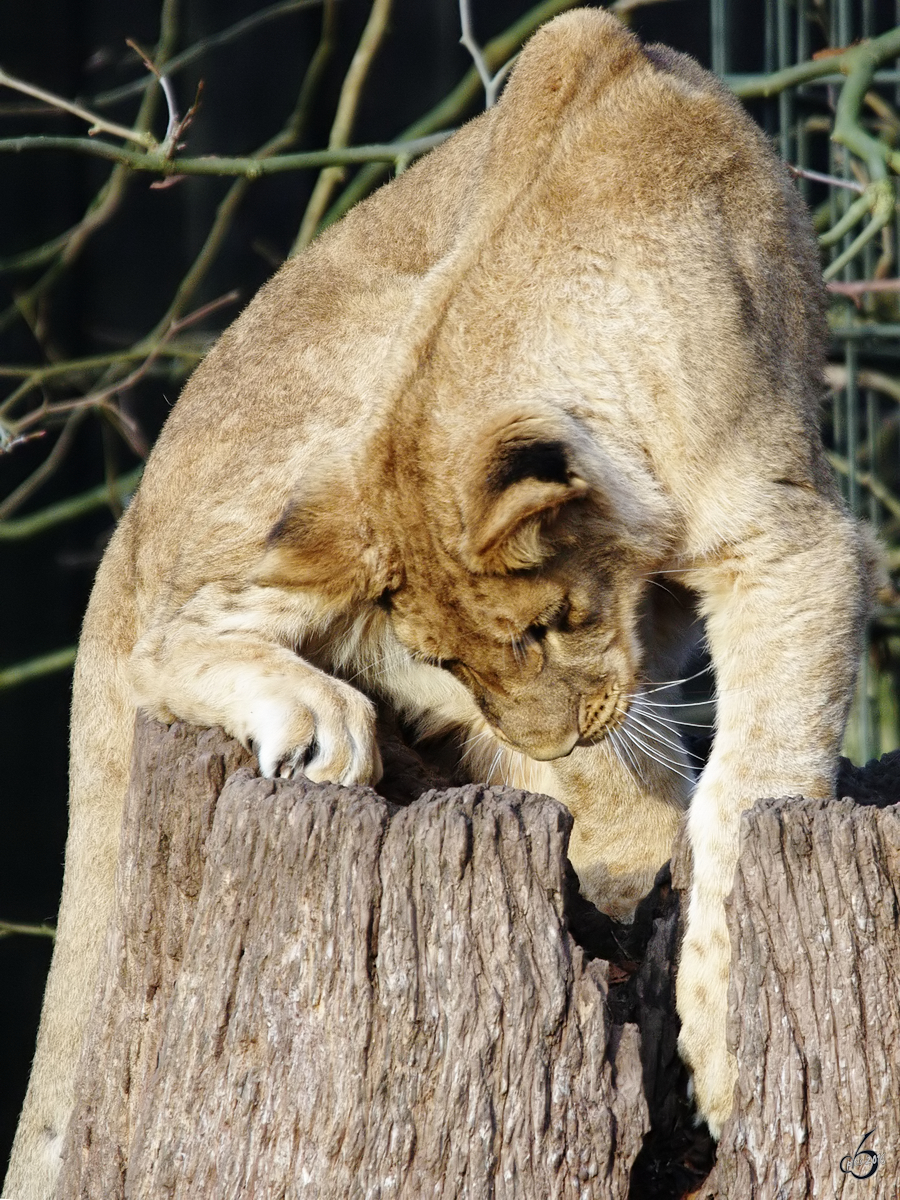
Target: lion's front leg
784,617
225,658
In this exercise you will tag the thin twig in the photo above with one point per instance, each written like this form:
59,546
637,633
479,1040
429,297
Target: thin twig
855,213
622,8
77,366
179,61
468,41
454,106
96,122
9,927
251,167
838,377
866,480
883,211
831,180
293,129
34,668
100,397
50,464
173,124
348,103
34,377
20,528
98,400
107,200
879,198
861,287
154,344
883,48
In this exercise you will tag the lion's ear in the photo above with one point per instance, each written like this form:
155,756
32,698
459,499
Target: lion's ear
325,546
530,476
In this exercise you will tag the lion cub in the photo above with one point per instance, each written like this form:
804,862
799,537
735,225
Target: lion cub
441,462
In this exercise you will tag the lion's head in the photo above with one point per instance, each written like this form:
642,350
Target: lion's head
510,567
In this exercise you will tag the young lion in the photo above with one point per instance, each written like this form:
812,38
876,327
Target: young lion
441,460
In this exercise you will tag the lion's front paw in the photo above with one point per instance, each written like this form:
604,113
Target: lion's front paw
324,729
702,991
714,1074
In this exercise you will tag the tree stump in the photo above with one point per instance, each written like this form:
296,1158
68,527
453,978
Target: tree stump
815,997
313,991
310,992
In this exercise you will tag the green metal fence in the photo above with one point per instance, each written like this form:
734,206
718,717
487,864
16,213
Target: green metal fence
838,118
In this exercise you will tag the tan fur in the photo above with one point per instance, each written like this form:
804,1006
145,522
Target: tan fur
440,462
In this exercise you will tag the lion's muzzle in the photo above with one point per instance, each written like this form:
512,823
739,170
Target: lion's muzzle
598,713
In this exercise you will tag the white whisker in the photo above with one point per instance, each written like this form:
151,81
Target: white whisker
675,682
372,667
656,583
670,724
494,764
657,757
680,769
656,719
471,744
670,721
653,732
678,570
620,746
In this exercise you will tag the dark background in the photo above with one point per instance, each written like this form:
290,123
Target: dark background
119,288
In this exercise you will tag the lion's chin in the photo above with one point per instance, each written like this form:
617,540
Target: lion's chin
541,751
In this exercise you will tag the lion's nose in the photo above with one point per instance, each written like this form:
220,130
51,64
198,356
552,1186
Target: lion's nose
595,713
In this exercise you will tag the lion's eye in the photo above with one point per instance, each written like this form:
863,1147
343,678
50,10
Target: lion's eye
557,619
446,664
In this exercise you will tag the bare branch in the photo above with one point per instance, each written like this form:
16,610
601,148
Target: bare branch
468,40
868,481
173,125
351,92
230,34
490,83
862,287
47,664
100,397
763,86
10,927
838,376
50,464
883,206
454,106
107,200
831,180
97,123
20,528
251,167
78,366
622,8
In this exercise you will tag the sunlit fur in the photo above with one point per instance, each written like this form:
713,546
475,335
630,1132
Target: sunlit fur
441,463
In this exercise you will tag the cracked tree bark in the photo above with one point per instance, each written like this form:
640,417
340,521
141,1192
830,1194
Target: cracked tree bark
312,991
815,1006
345,998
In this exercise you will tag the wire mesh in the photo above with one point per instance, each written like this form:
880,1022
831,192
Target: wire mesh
862,420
